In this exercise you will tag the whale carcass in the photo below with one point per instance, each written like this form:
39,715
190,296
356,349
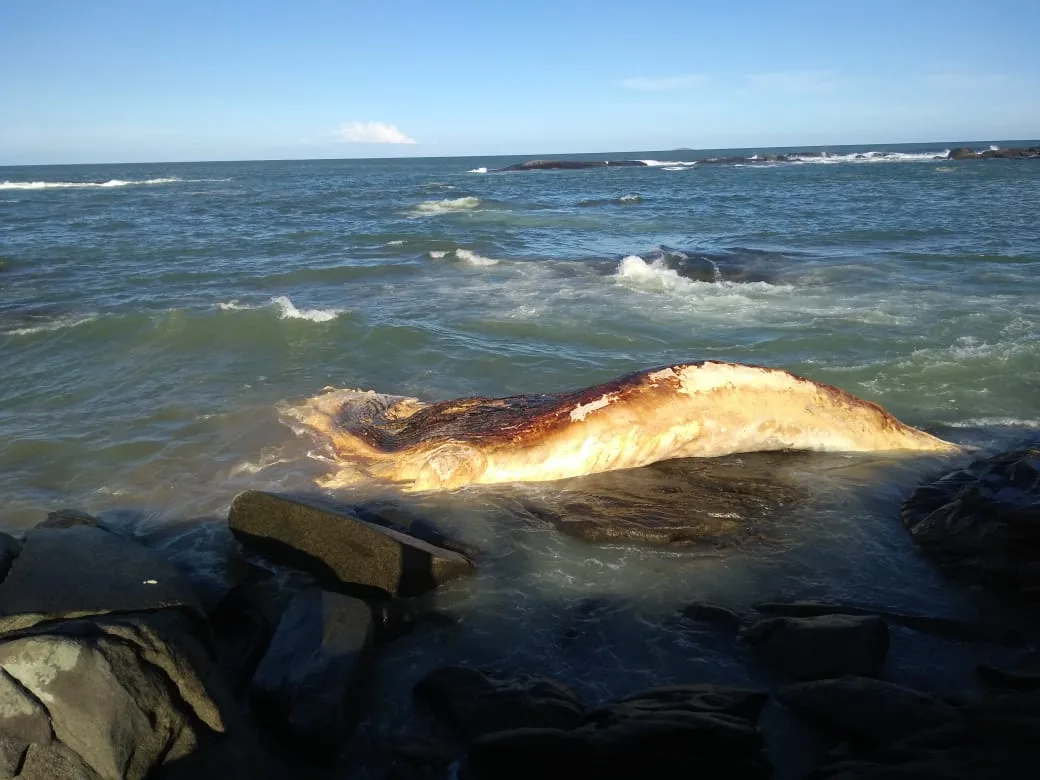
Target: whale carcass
703,409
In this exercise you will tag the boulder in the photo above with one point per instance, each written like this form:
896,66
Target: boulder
712,614
105,667
963,153
10,548
473,703
814,648
866,709
665,733
341,551
81,571
309,684
982,522
927,624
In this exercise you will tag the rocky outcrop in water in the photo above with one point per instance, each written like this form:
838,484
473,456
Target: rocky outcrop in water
814,648
556,165
982,522
1021,153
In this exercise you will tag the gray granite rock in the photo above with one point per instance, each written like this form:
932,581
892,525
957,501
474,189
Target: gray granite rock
309,684
340,550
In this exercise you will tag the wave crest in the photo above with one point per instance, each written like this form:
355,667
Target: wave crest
447,206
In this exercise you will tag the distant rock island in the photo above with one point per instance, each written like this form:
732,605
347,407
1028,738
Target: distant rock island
549,165
964,153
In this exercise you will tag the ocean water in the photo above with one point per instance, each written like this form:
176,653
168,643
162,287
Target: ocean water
157,320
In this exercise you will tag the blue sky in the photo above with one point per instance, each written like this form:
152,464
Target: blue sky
132,80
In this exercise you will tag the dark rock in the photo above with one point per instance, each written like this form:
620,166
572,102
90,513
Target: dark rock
712,614
122,695
1009,678
309,684
547,165
81,571
474,704
342,552
108,640
819,647
10,548
867,709
982,522
962,153
947,627
704,501
676,732
68,518
243,622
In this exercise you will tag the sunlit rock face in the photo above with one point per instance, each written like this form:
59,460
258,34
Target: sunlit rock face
704,409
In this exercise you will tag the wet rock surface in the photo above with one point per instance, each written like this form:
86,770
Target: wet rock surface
308,687
814,648
695,501
982,522
340,550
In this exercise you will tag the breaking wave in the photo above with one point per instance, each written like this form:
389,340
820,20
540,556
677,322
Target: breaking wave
447,206
72,185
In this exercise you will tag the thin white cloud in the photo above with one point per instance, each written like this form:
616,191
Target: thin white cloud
794,82
665,83
372,133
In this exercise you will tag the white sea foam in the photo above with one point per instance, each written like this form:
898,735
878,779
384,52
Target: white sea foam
58,324
868,157
676,168
232,305
478,170
669,163
437,254
638,270
288,311
630,199
448,206
991,422
71,185
472,258
395,243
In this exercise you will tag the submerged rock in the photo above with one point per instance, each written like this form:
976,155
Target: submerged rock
814,648
341,551
308,686
982,522
473,703
68,518
688,501
867,709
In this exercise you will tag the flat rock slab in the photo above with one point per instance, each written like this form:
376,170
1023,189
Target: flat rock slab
714,501
80,571
814,648
867,709
339,550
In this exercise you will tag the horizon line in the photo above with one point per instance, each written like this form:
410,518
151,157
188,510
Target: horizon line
807,147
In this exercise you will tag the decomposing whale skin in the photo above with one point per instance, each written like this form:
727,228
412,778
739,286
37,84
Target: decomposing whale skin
704,409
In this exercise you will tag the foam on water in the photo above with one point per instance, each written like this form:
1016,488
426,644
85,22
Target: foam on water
447,206
669,164
438,254
478,170
286,309
61,323
70,185
472,258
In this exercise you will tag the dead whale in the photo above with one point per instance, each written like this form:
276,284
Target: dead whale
703,409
